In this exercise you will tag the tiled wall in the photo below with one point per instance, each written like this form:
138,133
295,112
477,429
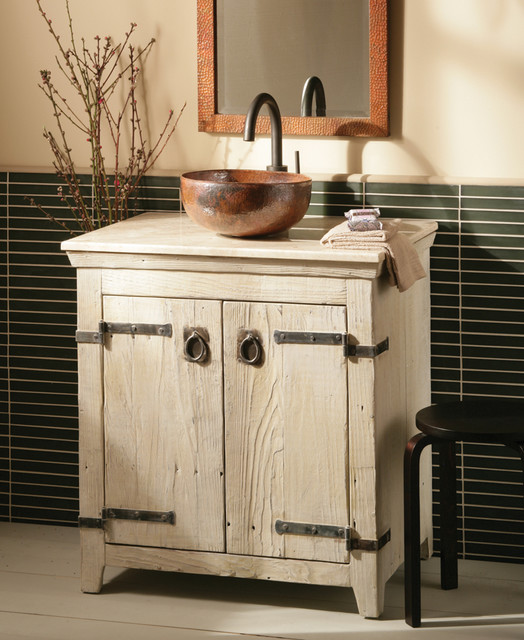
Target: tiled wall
38,420
477,340
477,311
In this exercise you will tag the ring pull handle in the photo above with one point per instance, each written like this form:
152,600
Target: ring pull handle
195,348
250,349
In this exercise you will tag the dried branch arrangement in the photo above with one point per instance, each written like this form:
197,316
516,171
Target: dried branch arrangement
99,77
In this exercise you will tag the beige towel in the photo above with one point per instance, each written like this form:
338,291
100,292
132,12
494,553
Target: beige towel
402,261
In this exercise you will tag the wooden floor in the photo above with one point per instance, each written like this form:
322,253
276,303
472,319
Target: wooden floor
40,598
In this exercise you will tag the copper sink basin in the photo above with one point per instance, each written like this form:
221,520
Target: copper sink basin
242,202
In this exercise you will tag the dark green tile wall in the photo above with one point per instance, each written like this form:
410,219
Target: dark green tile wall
477,313
38,420
477,316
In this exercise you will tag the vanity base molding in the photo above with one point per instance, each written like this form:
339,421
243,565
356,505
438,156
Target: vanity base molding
228,564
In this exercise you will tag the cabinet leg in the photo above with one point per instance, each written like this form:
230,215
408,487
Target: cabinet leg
92,563
368,587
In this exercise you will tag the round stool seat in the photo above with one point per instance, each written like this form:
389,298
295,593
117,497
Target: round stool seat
495,421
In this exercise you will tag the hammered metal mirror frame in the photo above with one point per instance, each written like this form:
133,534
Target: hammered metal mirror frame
376,125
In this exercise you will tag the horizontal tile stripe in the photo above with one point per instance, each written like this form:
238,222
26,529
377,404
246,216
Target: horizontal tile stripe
39,420
53,433
42,444
493,365
335,198
492,554
486,514
48,480
337,186
45,495
411,188
35,179
487,474
490,266
492,204
492,191
45,466
410,201
489,302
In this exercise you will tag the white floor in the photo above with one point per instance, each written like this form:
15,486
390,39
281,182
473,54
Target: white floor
40,598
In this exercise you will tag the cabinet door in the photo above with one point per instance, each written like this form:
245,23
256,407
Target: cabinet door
164,425
286,432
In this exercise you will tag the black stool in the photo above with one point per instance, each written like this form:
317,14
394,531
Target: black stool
488,421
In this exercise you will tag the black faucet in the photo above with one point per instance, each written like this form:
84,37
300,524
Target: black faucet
276,128
313,85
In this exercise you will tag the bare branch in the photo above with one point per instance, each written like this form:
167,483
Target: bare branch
95,75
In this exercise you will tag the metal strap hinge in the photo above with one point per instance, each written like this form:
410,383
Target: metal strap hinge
132,328
353,541
336,339
138,515
90,523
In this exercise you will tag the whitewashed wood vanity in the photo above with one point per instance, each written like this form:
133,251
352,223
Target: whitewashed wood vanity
245,403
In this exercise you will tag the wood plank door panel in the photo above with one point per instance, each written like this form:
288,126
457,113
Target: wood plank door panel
286,432
164,425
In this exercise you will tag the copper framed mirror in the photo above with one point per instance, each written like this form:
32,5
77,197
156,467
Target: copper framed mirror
358,41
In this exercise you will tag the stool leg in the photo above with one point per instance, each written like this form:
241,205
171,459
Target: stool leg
412,527
448,516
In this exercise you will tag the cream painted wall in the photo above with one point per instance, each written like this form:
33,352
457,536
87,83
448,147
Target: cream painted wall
457,89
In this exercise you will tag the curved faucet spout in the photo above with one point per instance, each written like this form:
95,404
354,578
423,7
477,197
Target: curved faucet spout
276,128
313,86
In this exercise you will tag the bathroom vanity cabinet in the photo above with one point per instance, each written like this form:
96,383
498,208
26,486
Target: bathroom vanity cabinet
245,403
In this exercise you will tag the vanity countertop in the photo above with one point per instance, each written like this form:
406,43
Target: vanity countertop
175,234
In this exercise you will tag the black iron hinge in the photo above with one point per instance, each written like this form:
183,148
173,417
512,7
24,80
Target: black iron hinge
131,328
138,515
335,339
353,541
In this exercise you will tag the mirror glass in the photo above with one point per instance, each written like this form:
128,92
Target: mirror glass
274,46
336,47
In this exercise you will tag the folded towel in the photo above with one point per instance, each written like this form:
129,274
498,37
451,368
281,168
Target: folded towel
402,261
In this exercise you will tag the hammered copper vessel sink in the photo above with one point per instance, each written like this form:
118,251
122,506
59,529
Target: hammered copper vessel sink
243,202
